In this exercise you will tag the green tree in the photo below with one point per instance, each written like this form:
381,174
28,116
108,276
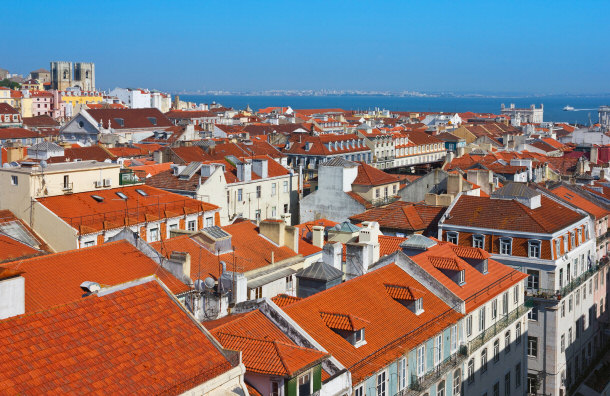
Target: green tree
9,84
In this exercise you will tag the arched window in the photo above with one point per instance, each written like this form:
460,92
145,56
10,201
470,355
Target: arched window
440,390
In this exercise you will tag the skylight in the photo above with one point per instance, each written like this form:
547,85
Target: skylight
120,121
153,120
142,192
121,195
98,198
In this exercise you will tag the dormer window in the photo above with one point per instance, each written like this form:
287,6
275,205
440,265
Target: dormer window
534,249
462,277
350,327
359,336
120,121
573,239
408,296
478,241
558,247
452,237
506,246
419,305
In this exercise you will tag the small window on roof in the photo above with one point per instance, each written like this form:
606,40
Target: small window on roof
98,198
142,192
120,121
121,195
153,120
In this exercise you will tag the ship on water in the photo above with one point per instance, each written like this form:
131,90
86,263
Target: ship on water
568,108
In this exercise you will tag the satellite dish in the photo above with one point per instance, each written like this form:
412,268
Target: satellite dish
43,164
6,165
199,285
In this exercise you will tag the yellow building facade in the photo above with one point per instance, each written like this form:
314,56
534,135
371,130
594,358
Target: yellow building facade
79,99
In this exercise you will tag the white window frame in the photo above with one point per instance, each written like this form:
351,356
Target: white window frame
438,350
421,360
381,384
506,246
453,236
534,248
478,241
402,373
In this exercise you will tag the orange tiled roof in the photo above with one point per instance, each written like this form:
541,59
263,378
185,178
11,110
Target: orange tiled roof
340,321
400,292
266,349
401,215
125,342
87,215
252,251
581,202
283,300
478,288
371,176
386,340
109,264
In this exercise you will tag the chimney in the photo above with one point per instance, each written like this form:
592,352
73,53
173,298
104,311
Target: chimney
332,255
179,265
12,293
287,217
454,184
317,236
244,171
260,167
274,230
357,259
369,234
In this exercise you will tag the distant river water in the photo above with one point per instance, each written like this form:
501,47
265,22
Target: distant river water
553,106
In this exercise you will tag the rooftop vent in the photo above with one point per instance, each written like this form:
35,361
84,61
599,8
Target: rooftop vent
90,287
98,198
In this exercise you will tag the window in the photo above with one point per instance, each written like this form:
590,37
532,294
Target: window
359,391
285,186
453,336
14,180
469,325
381,384
289,282
358,336
153,234
534,249
496,351
494,308
505,304
497,389
275,388
577,296
421,360
516,294
569,335
273,189
438,351
471,371
452,237
518,334
507,384
66,182
563,342
258,191
258,292
482,319
518,375
533,279
457,382
570,301
560,277
505,246
377,192
507,342
385,191
191,225
402,374
532,383
440,391
462,279
478,241
257,215
273,212
305,385
240,194
532,346
89,243
483,360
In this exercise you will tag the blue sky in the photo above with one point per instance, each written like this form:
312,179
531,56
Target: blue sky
434,46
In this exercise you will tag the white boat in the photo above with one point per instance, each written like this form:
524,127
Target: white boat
568,108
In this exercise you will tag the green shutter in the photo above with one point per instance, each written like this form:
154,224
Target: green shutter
317,378
291,387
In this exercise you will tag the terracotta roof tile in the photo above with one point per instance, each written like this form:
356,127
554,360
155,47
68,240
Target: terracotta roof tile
132,118
108,264
283,300
126,342
371,176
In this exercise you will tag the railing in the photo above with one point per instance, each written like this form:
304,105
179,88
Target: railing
419,384
603,237
384,200
67,187
572,285
499,326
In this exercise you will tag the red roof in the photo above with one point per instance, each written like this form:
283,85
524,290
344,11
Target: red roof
283,300
478,288
108,264
6,108
150,118
503,214
371,176
89,153
18,133
129,341
401,215
85,213
265,348
252,251
581,202
386,340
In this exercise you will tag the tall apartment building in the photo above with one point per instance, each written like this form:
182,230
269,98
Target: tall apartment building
532,230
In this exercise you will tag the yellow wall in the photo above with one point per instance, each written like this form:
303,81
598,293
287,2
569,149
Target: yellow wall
78,101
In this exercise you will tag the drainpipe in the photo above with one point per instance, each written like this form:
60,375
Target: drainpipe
544,355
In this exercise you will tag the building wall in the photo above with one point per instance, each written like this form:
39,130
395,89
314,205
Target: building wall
12,297
229,382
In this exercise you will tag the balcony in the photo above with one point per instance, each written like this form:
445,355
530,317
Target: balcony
419,384
67,188
551,294
384,200
497,328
